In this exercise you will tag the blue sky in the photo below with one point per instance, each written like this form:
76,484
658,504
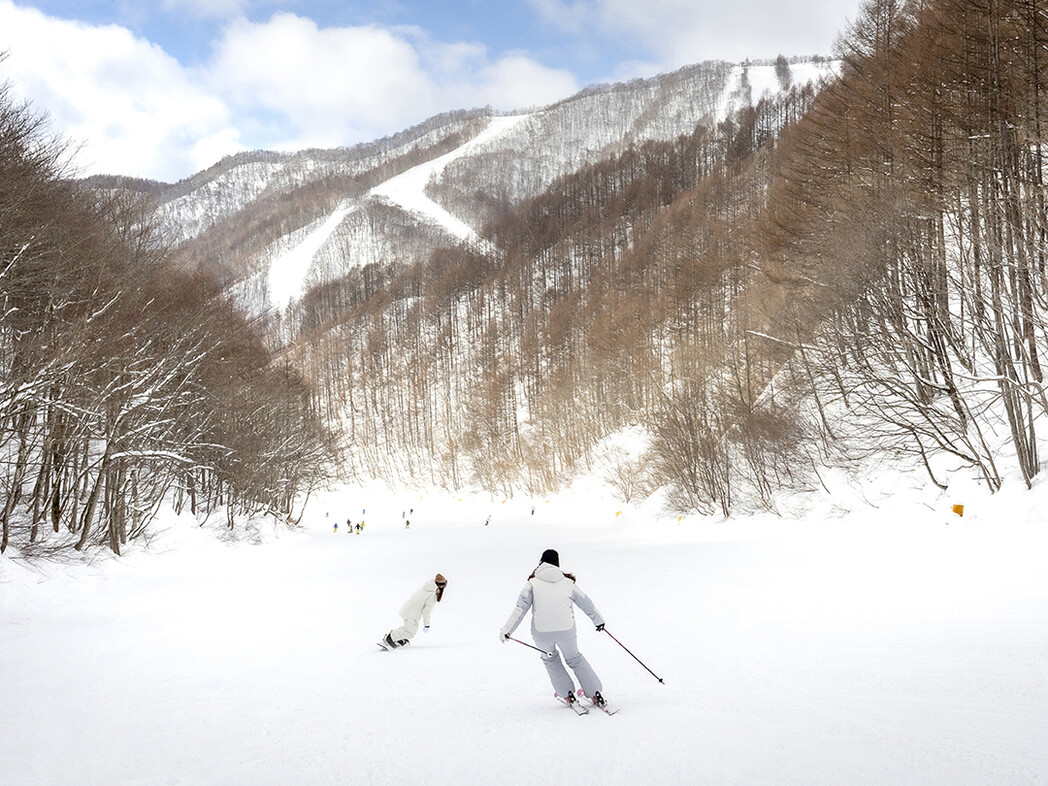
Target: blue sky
163,89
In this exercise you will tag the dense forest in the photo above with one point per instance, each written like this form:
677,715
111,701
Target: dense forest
858,268
125,382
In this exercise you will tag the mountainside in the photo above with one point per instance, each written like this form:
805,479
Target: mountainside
814,276
746,271
806,277
274,224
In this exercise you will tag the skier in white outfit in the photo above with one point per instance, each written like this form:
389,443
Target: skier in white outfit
417,608
550,593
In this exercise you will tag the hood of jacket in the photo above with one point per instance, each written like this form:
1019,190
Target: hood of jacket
550,573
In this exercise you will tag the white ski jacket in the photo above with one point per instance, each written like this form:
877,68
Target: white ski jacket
549,595
421,603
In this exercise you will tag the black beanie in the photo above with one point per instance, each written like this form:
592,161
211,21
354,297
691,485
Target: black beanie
550,557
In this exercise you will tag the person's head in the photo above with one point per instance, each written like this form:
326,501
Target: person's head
441,583
550,557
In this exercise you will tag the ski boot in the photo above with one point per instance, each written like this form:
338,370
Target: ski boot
601,703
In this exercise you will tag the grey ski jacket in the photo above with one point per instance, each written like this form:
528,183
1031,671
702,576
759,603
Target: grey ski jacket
550,595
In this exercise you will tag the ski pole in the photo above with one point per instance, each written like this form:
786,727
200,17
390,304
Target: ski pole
532,646
653,674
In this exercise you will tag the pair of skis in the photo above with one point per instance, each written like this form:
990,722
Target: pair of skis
581,709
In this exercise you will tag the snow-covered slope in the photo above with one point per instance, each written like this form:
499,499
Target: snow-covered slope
287,273
604,120
192,206
446,197
891,644
748,84
353,235
408,190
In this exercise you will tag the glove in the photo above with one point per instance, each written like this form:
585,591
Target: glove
600,628
502,637
425,629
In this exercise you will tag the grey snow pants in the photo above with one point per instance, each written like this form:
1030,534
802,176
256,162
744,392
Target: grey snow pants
567,642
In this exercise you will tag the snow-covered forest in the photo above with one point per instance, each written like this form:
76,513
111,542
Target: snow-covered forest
126,383
747,293
760,269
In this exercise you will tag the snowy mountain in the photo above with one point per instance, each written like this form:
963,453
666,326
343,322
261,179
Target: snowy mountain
273,225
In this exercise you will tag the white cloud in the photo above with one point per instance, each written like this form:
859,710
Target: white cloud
326,84
132,108
282,84
679,32
330,86
516,81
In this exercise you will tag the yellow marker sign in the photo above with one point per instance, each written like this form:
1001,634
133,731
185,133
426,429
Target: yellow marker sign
958,509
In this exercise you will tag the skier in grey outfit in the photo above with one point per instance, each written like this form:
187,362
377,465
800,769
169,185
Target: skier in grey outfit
550,593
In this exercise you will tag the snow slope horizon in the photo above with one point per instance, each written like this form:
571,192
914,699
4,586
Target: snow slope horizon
857,644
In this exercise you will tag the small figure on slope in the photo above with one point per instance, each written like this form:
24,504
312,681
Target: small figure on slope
550,593
418,607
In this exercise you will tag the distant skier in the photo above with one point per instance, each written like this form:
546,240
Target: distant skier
549,594
418,607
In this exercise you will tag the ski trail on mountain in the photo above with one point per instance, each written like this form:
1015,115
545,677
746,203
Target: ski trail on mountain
408,189
287,273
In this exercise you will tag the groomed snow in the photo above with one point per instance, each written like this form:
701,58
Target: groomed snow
288,272
408,189
893,644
